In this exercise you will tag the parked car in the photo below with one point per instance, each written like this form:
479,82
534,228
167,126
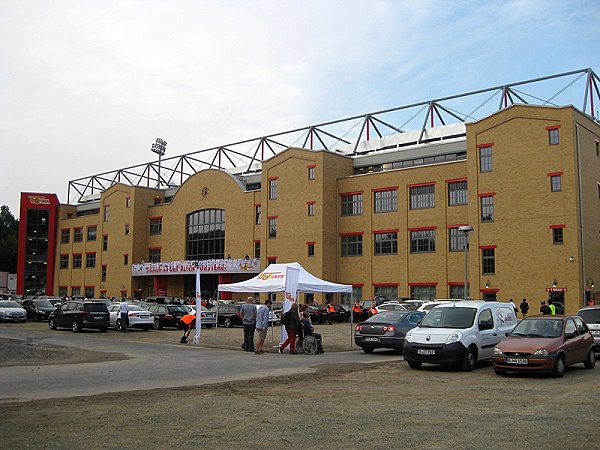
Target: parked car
591,316
227,314
546,344
138,317
38,309
12,311
79,314
459,334
386,330
208,318
167,315
428,305
54,301
395,306
318,314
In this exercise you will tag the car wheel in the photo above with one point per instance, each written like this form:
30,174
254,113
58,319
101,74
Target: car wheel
52,324
75,327
414,364
499,371
469,360
157,325
368,349
590,361
227,322
118,325
559,367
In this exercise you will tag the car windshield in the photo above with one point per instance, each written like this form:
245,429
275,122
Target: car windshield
43,303
136,308
9,304
94,307
449,318
538,328
590,315
180,309
387,316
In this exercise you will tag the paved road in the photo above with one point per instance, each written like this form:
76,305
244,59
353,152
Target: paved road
151,366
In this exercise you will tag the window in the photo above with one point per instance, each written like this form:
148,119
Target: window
458,291
386,290
386,201
553,137
65,235
488,256
352,245
125,259
206,234
422,241
77,261
128,202
105,242
64,262
75,291
91,233
352,204
457,194
106,212
127,229
89,292
155,225
257,249
420,292
487,208
257,214
272,227
103,278
310,248
90,260
456,242
555,183
77,234
62,291
271,260
422,197
311,208
485,159
272,188
311,172
557,235
357,295
154,255
386,243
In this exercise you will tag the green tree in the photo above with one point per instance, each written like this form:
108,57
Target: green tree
9,232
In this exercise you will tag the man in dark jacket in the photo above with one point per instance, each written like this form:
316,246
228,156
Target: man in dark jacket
524,306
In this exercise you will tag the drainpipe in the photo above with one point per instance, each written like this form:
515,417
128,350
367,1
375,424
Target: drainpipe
582,278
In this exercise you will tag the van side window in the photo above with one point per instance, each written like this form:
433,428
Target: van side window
486,321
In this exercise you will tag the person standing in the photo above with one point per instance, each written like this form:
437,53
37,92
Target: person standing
262,325
291,321
357,311
552,307
544,308
330,311
124,315
524,306
248,316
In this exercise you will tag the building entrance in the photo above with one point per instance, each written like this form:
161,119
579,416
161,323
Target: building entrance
208,284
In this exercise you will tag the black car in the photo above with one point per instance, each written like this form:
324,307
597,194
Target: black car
79,314
38,309
318,314
167,315
228,314
386,330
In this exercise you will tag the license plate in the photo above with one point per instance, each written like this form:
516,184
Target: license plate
515,360
425,351
595,332
371,339
144,317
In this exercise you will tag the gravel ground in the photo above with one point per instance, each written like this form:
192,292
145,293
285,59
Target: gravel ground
376,406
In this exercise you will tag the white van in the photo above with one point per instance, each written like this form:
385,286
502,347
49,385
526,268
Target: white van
459,334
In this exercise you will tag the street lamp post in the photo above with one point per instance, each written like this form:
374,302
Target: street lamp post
466,229
160,148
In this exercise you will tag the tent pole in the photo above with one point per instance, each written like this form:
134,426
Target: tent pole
351,316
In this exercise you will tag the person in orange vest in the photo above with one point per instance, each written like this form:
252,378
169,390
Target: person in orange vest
330,311
188,322
373,310
357,311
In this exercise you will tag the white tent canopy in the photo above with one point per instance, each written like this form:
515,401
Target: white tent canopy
272,279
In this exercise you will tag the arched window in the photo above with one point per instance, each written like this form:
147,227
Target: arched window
205,234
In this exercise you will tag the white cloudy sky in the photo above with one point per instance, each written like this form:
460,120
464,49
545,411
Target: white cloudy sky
86,86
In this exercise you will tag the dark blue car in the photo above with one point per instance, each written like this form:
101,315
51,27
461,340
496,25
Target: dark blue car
386,329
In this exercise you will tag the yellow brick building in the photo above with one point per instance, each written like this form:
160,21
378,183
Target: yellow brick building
527,179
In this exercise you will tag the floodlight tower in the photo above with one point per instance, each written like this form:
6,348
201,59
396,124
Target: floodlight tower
160,148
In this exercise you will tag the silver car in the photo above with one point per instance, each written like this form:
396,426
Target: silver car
12,311
208,318
138,317
591,316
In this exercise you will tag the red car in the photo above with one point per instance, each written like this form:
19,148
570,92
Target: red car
546,344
